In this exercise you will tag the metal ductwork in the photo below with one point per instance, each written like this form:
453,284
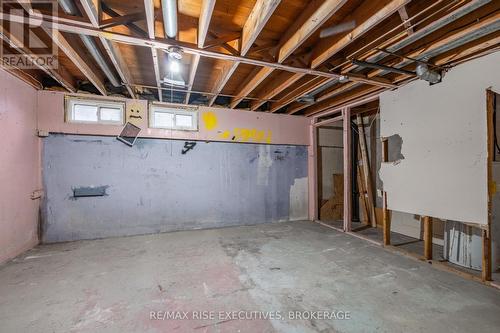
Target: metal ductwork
169,10
424,73
69,8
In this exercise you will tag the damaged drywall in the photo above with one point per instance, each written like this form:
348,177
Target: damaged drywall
444,134
154,187
394,146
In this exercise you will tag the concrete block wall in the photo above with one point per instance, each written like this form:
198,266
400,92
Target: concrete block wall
153,187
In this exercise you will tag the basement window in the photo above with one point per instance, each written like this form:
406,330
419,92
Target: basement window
88,111
169,117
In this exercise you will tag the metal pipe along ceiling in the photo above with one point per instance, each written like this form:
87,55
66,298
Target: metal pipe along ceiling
69,8
169,10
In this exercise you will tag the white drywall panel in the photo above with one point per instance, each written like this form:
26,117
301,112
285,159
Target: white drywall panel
443,128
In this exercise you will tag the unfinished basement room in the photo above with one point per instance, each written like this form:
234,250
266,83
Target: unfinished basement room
289,166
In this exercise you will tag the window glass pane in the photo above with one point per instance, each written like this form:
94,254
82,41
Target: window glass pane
184,120
163,119
82,112
111,114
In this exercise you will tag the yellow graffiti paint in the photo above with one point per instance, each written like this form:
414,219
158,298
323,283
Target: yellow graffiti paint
248,135
225,135
209,120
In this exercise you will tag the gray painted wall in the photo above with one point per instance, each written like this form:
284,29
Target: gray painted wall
153,187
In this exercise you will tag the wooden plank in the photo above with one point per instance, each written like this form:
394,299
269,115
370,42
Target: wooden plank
362,194
261,13
351,95
366,170
192,75
74,56
347,169
386,221
386,214
273,88
220,39
299,91
316,20
122,20
404,17
113,53
163,44
486,233
225,75
427,221
312,18
60,75
92,9
156,67
254,24
149,7
207,8
21,75
253,80
326,49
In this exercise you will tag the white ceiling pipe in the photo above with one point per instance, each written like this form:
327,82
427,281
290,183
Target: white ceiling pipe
169,10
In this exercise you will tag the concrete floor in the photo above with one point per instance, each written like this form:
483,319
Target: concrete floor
112,285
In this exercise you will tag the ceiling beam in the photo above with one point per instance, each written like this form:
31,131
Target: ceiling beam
316,20
21,75
122,20
274,87
93,10
313,17
192,75
261,13
405,18
326,49
299,91
74,56
252,81
488,25
163,44
220,39
60,75
351,95
207,8
113,53
149,7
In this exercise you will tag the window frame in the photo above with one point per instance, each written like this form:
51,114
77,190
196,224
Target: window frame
71,101
175,110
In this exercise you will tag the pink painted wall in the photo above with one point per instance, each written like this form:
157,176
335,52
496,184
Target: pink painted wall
215,124
19,167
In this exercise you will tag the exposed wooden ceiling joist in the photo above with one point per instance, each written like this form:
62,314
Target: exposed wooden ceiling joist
261,12
326,49
454,39
207,9
312,18
61,75
74,55
149,7
92,9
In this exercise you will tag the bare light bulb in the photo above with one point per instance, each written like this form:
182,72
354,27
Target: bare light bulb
174,66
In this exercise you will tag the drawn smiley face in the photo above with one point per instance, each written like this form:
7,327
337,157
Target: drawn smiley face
135,114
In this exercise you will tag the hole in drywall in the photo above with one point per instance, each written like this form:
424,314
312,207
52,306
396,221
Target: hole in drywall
394,146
